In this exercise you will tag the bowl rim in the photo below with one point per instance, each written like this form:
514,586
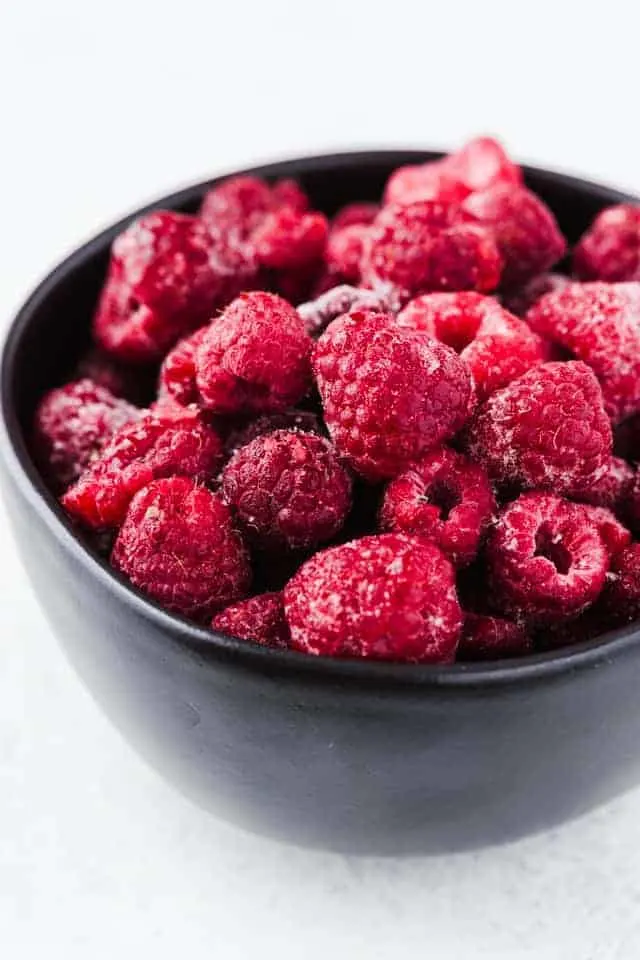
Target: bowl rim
211,645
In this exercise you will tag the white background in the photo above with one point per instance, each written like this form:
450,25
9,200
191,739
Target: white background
102,106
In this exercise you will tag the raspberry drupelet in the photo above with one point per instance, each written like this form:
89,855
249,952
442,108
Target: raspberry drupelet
610,249
547,429
259,619
72,425
546,558
163,443
287,489
495,345
598,323
388,597
254,358
178,544
445,498
389,395
486,637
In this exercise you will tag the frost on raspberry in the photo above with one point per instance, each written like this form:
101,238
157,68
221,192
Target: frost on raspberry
486,637
254,358
424,247
238,205
610,249
301,421
444,498
259,619
317,314
179,546
168,442
389,394
548,429
287,489
546,559
524,228
610,488
598,323
495,345
388,597
72,425
165,278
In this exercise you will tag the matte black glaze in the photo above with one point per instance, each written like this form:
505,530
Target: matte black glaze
352,756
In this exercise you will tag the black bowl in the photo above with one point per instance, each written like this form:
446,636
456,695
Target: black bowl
351,756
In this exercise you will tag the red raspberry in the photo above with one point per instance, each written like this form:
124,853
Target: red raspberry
495,346
118,378
611,487
416,183
318,314
238,204
620,600
422,247
445,498
287,489
546,429
610,249
344,252
72,425
598,323
178,545
287,239
524,228
289,193
301,420
355,213
255,357
168,442
492,638
178,371
546,558
165,278
520,300
389,394
388,597
614,534
259,619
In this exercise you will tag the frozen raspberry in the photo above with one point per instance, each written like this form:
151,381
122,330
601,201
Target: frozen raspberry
72,425
255,357
287,489
422,247
388,597
416,183
318,314
609,489
614,534
166,443
546,558
165,278
238,204
355,214
289,193
119,379
259,619
524,228
620,600
389,394
344,252
287,238
547,429
445,498
178,545
496,346
520,300
178,371
610,249
599,324
301,420
492,638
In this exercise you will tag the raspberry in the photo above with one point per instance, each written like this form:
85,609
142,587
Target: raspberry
610,249
289,193
388,597
165,278
255,357
301,420
240,204
260,619
389,394
522,299
355,213
318,314
614,534
72,425
422,247
416,183
599,324
547,429
168,442
287,489
496,346
178,371
546,558
524,228
492,638
344,252
620,600
178,545
445,498
287,238
610,488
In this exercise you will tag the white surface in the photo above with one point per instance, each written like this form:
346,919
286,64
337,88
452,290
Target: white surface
101,107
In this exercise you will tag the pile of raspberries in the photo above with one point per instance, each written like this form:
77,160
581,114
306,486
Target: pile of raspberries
392,433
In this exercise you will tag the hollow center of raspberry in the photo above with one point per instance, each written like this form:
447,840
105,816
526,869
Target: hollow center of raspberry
444,496
550,546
